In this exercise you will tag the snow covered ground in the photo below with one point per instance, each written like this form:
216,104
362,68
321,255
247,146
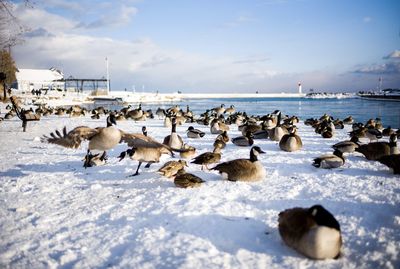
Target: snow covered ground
56,214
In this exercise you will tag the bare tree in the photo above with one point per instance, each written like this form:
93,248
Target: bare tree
11,29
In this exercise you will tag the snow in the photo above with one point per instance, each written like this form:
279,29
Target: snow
56,214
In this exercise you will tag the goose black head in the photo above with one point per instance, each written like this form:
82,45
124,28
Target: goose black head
111,120
257,150
190,128
323,217
88,160
144,130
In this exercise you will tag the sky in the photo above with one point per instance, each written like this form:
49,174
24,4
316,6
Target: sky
216,46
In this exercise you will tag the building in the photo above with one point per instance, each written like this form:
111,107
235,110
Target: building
28,79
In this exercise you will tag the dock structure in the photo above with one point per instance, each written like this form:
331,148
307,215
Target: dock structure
80,83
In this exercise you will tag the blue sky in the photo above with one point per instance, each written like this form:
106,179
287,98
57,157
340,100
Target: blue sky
225,46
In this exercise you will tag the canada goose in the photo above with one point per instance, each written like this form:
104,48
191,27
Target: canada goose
125,110
207,158
217,126
314,232
173,140
329,161
160,112
348,146
135,114
219,110
243,169
387,131
230,110
375,150
276,133
143,154
171,168
391,161
187,151
373,134
100,138
95,160
194,133
244,141
187,180
290,142
95,116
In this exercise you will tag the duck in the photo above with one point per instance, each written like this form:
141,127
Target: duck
375,150
187,180
392,161
244,141
100,138
160,112
219,143
207,158
187,151
313,232
243,169
173,140
329,161
171,168
218,127
91,160
223,136
349,120
327,132
144,154
194,133
348,146
291,142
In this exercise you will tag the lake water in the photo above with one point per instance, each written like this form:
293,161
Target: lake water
360,109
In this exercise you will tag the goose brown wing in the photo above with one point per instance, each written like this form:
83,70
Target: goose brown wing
237,167
73,138
139,140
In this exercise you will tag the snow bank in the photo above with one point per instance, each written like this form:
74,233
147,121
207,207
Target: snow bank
54,213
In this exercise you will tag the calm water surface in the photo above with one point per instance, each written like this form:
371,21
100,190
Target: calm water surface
360,109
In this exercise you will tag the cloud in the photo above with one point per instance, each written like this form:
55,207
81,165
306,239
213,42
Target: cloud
123,17
252,60
38,32
391,68
394,55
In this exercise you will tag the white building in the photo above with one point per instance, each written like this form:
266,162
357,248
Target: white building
28,79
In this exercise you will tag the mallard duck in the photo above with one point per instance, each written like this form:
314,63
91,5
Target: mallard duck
314,231
187,151
243,169
194,133
187,180
171,168
207,158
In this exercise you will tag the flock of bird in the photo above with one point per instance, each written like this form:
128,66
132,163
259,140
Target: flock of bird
312,231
